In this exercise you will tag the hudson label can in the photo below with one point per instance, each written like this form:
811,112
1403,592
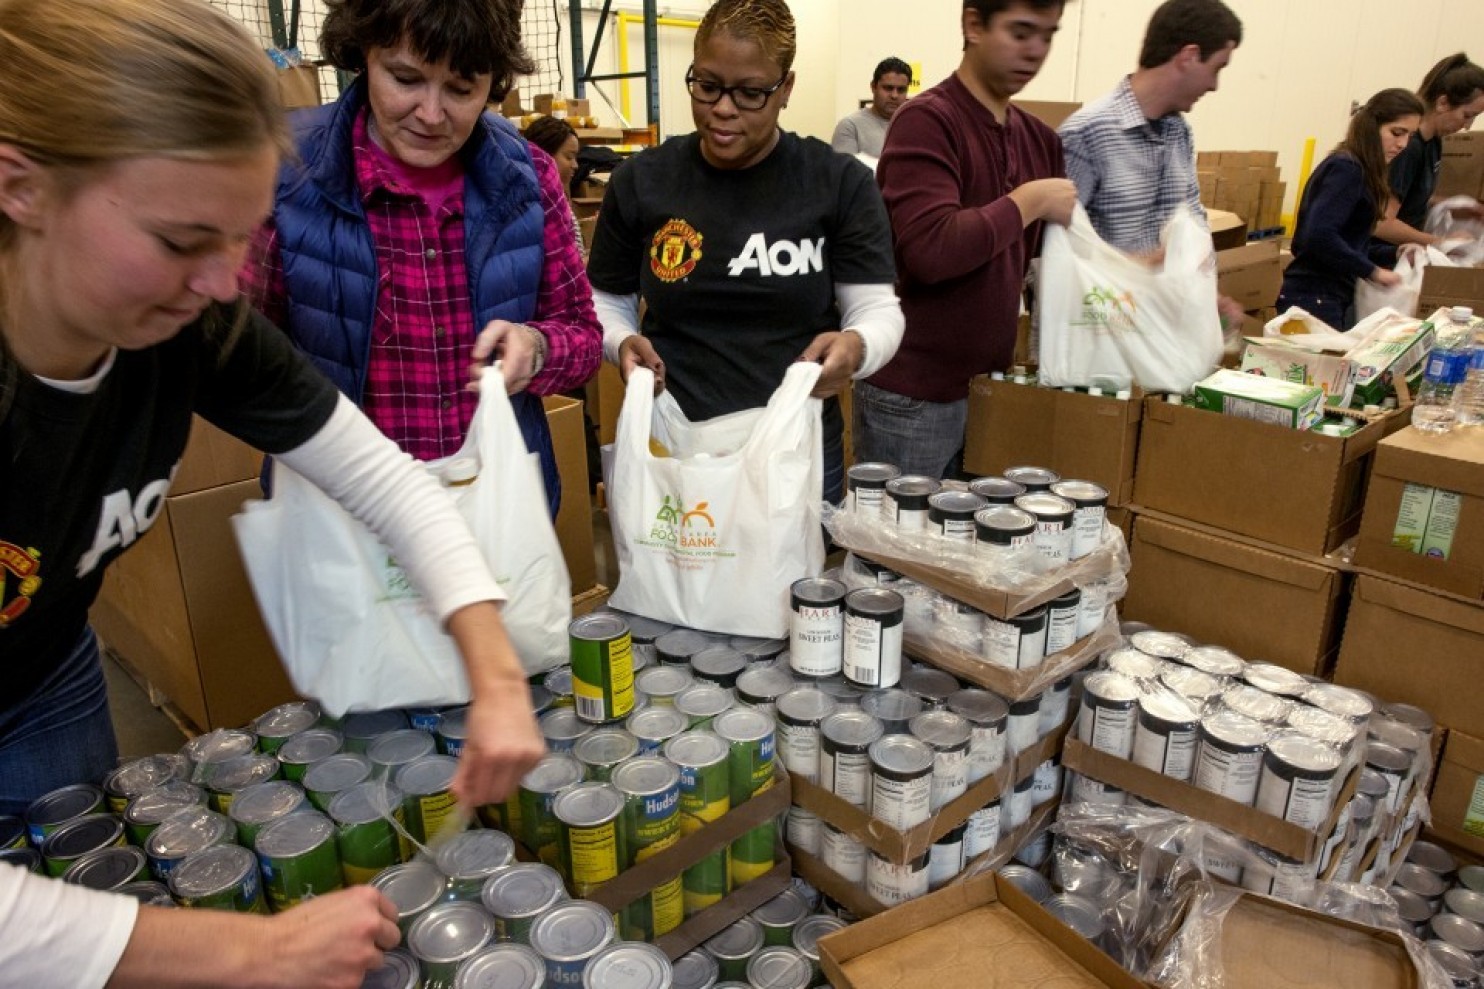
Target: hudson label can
329,776
517,894
749,738
951,514
948,735
1033,479
109,870
700,702
1090,503
568,936
867,483
561,727
986,714
365,838
1018,642
602,749
816,627
303,750
1061,622
1109,713
1230,757
283,722
78,837
733,946
1004,527
760,687
426,799
799,714
1053,525
451,729
806,939
589,817
843,855
360,727
261,804
139,776
844,755
445,937
298,858
1298,778
997,490
901,781
183,835
1023,727
602,667
51,810
413,887
227,779
1166,735
906,501
661,684
718,665
223,877
539,828
469,858
631,966
651,824
873,637
892,883
654,726
146,811
778,917
705,796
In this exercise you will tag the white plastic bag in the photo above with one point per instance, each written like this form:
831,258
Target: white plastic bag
1105,314
1403,297
713,535
351,631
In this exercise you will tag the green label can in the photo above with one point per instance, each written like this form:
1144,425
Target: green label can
51,810
428,801
182,836
282,723
749,737
359,728
298,858
71,841
651,823
602,749
447,936
589,817
224,780
469,858
223,877
779,916
146,811
140,776
329,776
108,869
602,667
305,749
263,804
413,889
366,836
517,894
705,796
538,788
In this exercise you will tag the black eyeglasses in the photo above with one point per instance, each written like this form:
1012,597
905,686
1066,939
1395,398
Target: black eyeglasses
743,97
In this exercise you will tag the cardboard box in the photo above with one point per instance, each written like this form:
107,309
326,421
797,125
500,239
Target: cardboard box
574,521
1458,793
1447,287
1227,230
1462,172
1424,511
1268,357
982,933
1416,646
1050,113
510,105
1270,832
1073,433
1263,604
213,458
178,608
1209,469
906,846
1250,274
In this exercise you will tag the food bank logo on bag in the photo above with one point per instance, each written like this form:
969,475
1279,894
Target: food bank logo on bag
691,531
1103,309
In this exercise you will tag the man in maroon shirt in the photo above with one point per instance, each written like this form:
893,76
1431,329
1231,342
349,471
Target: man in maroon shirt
967,180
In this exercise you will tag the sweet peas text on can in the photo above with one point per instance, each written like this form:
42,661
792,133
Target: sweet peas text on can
1053,524
816,626
873,636
1090,502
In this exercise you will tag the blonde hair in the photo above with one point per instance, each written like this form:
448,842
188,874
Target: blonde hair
767,23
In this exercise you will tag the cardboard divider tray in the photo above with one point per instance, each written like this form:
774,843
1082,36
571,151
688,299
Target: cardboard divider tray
1015,685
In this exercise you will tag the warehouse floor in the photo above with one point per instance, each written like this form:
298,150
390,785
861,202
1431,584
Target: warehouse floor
144,729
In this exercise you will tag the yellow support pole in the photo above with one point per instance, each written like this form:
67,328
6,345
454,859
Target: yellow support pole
624,19
1306,167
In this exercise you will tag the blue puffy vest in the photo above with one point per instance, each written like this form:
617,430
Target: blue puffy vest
329,262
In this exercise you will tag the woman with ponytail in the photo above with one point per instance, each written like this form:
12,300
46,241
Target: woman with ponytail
1345,197
1452,96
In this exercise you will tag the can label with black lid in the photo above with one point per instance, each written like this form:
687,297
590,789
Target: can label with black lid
1090,503
1053,524
906,501
983,831
1298,778
1061,621
868,486
1004,527
901,781
842,854
1109,713
844,755
1018,642
892,883
816,626
1230,758
951,514
873,637
1023,727
1166,734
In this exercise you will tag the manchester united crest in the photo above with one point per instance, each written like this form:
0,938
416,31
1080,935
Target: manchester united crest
674,251
19,579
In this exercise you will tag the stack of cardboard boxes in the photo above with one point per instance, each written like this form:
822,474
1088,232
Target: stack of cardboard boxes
1246,183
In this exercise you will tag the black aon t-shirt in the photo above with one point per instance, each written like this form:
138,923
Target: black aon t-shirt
738,267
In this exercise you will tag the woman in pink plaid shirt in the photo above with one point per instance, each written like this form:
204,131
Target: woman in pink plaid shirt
418,235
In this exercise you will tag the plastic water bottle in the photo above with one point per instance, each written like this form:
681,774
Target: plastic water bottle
1447,366
1468,399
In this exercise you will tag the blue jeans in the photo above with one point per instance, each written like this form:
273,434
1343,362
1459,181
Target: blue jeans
917,436
60,735
1333,310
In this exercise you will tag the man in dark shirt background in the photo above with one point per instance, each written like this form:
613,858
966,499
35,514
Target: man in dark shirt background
967,180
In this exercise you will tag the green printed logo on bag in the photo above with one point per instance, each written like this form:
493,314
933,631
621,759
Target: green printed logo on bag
683,529
1101,308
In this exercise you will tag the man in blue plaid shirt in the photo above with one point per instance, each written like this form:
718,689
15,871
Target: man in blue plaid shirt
1131,154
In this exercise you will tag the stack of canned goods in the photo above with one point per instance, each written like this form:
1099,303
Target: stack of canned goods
777,946
1262,736
904,755
1444,904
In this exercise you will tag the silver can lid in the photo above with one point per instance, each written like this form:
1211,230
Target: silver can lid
695,970
805,705
879,602
294,835
1111,687
213,870
556,771
310,746
586,805
398,748
572,931
157,804
398,970
189,831
718,661
454,723
219,745
696,748
605,747
1306,754
430,774
1410,714
817,591
657,722
1170,707
663,681
1397,735
779,968
765,683
234,774
106,869
892,704
148,892
450,932
1134,663
809,930
81,835
1387,758
265,802
142,775
1234,730
475,854
369,724
1000,490
337,772
871,475
502,966
681,644
645,776
288,719
1215,660
561,724
962,504
852,728
1341,701
1003,523
641,629
740,939
1160,645
628,966
704,700
784,910
365,802
1032,477
929,683
1081,493
978,706
1077,913
1460,932
941,729
1275,679
758,649
1027,880
559,681
1191,683
1320,725
1433,858
599,626
412,887
901,754
912,486
524,889
1045,505
1259,705
743,724
1459,900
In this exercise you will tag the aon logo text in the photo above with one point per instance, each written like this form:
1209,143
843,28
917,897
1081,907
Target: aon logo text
782,257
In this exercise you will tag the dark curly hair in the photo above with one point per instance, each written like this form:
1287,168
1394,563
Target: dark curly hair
549,133
474,36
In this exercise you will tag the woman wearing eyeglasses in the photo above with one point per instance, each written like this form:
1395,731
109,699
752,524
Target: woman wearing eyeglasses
752,247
